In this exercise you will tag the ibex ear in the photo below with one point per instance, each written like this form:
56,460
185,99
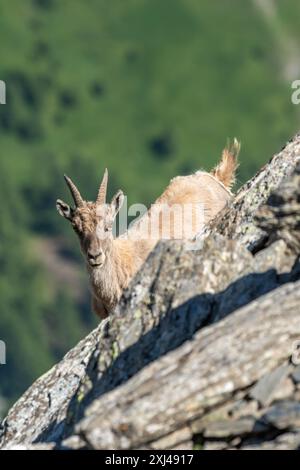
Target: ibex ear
64,209
117,201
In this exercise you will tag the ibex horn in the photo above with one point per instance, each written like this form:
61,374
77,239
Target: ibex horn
74,191
101,198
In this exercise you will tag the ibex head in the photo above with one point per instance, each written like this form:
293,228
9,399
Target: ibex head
92,221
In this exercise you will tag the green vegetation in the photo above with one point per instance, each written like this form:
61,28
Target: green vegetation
148,88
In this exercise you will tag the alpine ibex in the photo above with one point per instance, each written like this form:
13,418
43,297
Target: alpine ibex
113,262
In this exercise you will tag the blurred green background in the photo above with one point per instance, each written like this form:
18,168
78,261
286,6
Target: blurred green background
149,88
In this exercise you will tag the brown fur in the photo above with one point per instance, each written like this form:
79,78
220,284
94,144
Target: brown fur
225,171
112,263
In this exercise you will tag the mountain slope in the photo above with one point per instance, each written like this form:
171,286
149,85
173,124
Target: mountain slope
202,350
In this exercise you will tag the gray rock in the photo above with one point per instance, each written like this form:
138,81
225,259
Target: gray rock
45,446
205,372
285,441
296,375
244,408
43,407
285,390
215,445
232,428
265,388
283,415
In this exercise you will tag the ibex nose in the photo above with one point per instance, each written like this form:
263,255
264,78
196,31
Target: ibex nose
92,255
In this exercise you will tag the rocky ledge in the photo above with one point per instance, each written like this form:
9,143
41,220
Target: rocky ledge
203,351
